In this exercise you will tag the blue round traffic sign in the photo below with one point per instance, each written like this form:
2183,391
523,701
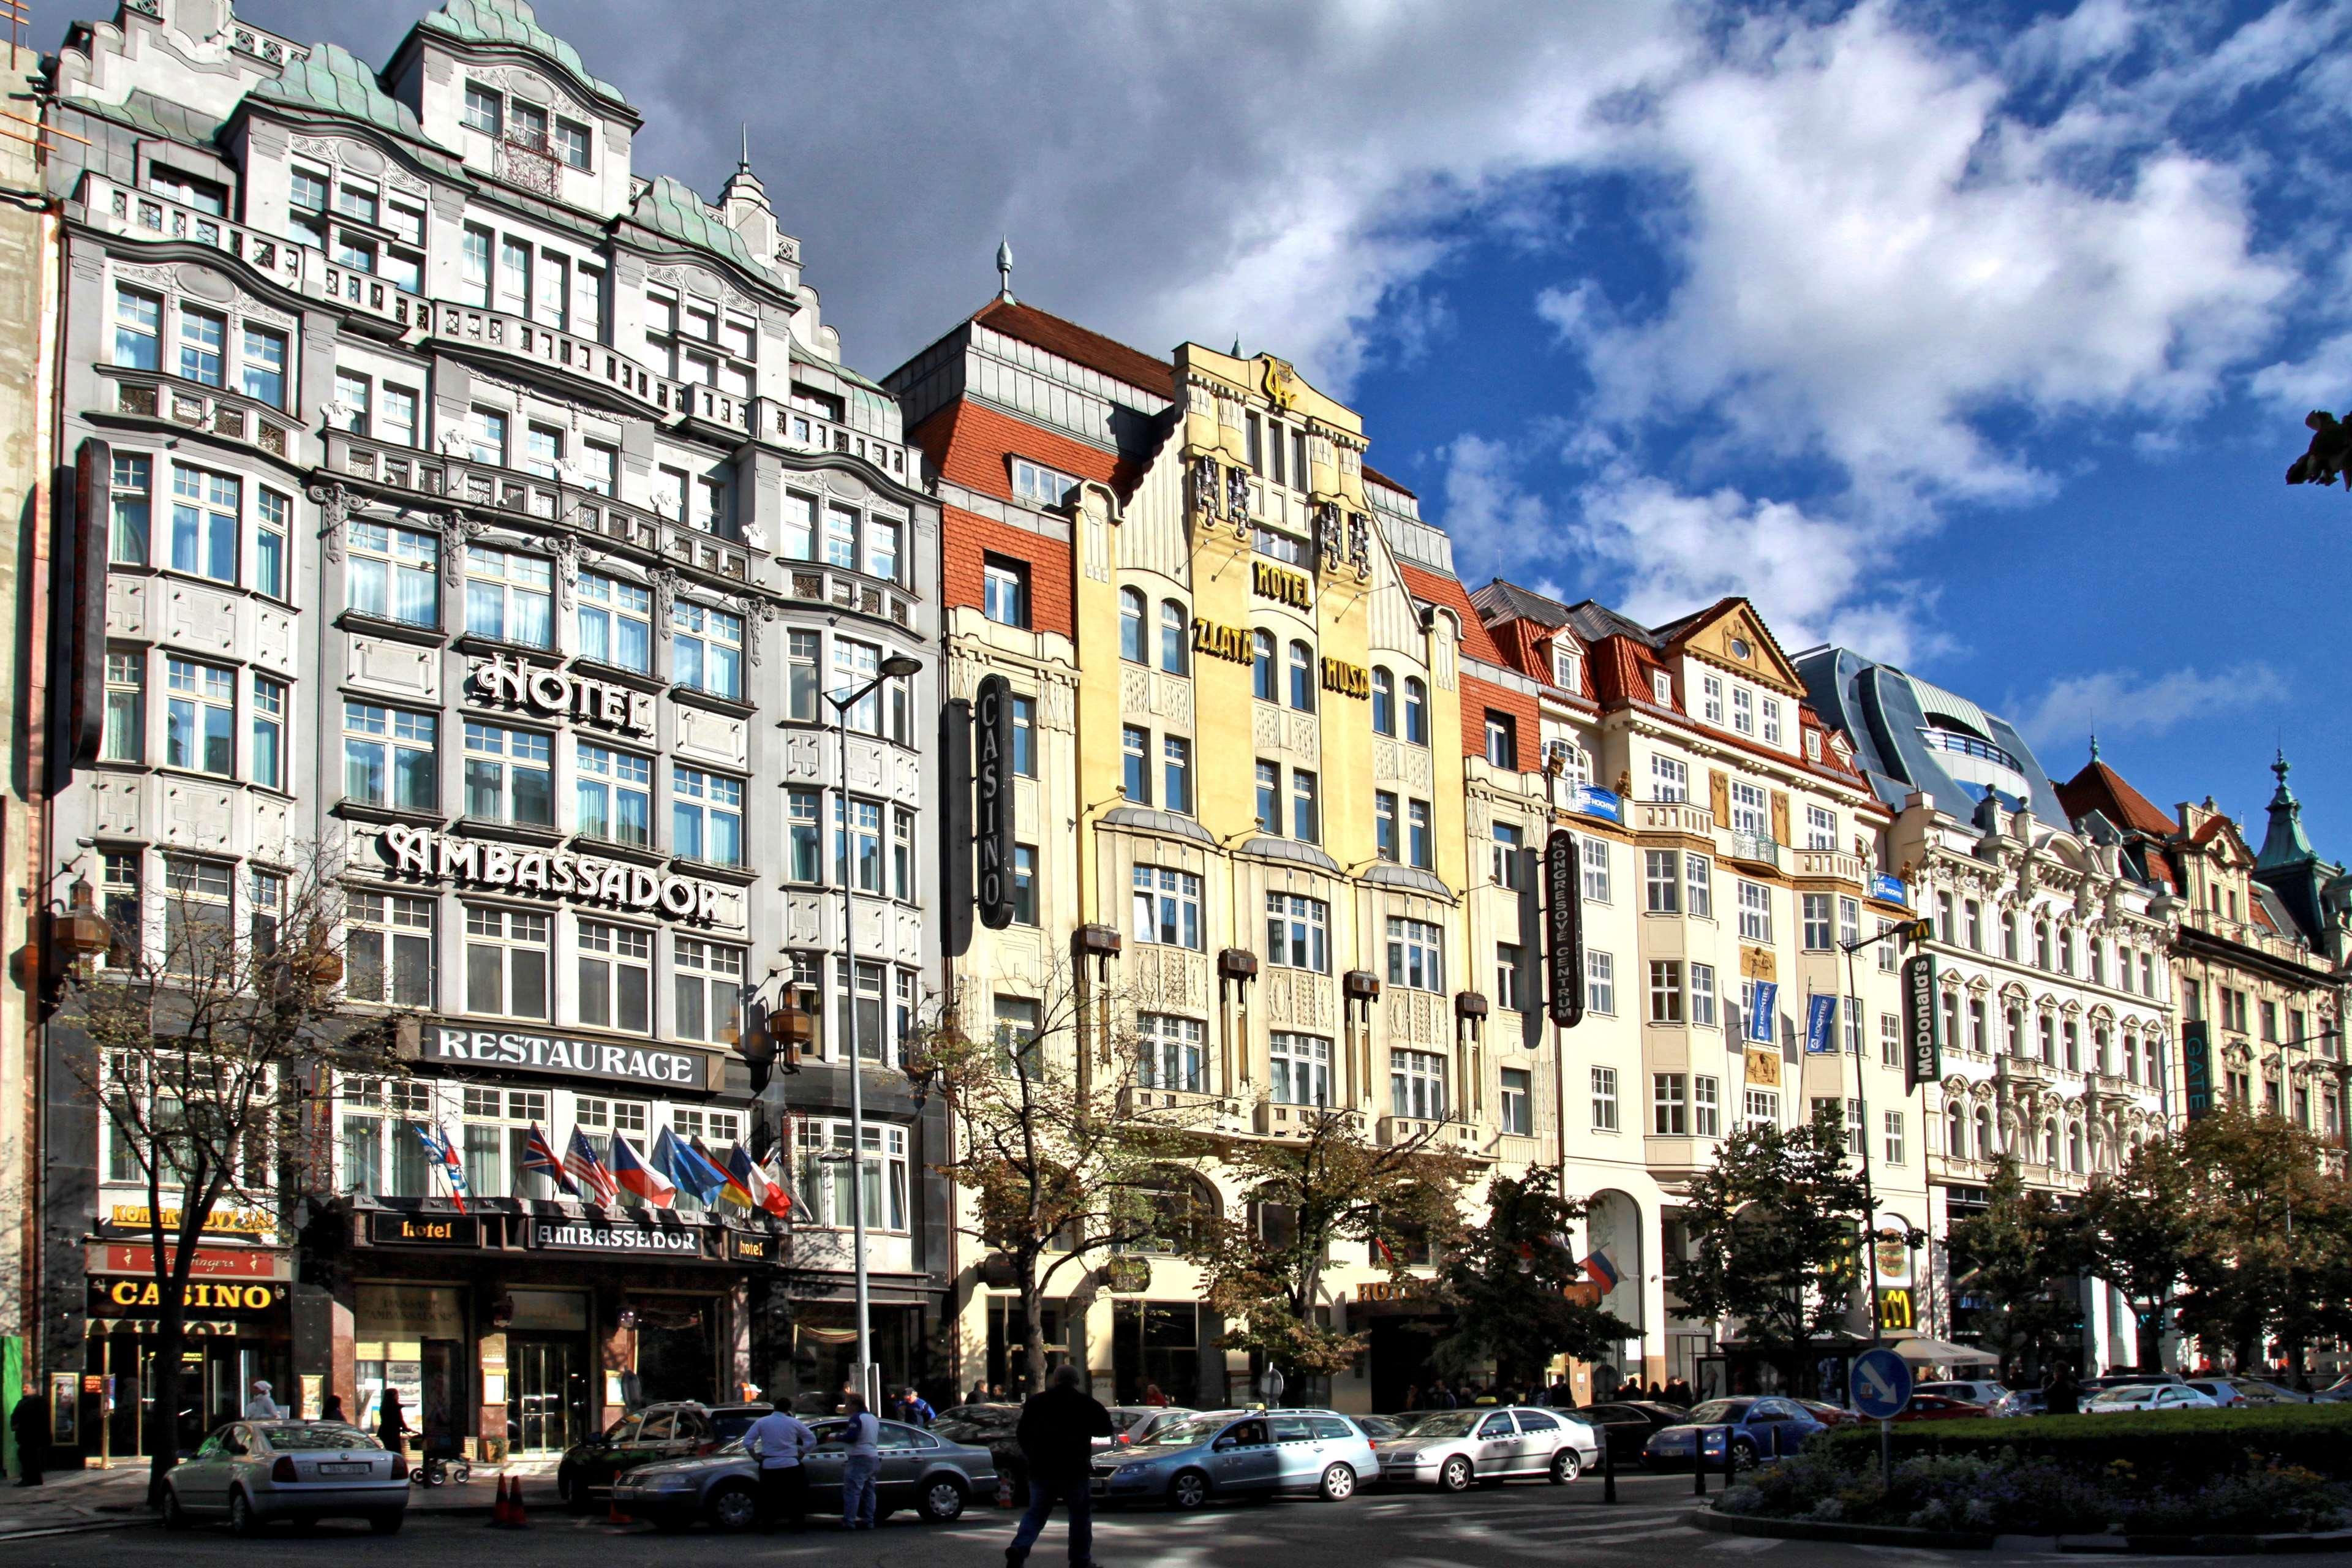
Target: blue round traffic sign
1880,1384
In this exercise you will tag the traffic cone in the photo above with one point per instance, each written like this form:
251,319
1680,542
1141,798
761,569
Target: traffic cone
499,1507
518,1517
612,1514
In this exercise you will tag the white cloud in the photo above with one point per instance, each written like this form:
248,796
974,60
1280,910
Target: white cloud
1489,517
2124,703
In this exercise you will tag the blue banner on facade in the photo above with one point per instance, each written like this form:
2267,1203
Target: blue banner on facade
1821,1025
1764,1012
1889,890
1593,801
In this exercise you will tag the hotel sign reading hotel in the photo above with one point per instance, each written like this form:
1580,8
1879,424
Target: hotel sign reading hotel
1268,581
561,695
654,1066
430,855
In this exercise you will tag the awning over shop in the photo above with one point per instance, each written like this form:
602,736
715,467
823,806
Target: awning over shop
1924,1351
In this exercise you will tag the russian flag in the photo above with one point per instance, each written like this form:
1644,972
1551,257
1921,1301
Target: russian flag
650,1187
1597,1267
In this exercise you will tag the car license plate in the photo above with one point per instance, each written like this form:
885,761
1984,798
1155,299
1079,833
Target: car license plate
359,1467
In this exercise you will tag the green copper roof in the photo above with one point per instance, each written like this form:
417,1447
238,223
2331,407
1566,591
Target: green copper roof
514,22
337,81
802,356
143,110
671,206
2284,844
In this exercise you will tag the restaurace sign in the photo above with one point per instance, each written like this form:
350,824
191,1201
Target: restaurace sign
651,1065
561,695
429,855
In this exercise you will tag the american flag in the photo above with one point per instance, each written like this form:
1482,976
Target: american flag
581,1162
538,1156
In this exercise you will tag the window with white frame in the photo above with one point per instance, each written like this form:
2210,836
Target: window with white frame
510,598
1702,995
393,574
1593,857
1763,1107
1665,991
1771,721
267,763
1416,954
1301,1069
509,775
272,513
1419,839
616,977
1755,912
1849,922
131,496
1168,1052
1743,709
390,757
1600,981
857,845
1167,906
197,926
1710,689
388,949
1516,1102
1821,828
1603,1082
1894,1124
615,621
506,963
126,706
1416,1085
1698,885
1662,880
707,654
1041,485
1814,910
1511,976
1749,809
836,1186
612,794
1298,932
207,509
1669,778
199,717
1662,688
1888,958
705,812
1669,1105
1508,869
707,990
138,329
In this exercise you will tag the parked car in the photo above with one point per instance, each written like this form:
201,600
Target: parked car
993,1428
1132,1424
1968,1391
254,1473
1763,1427
2022,1402
1455,1447
1938,1408
1828,1415
2337,1392
676,1430
1230,1452
921,1470
1628,1423
2127,1380
2148,1396
2229,1391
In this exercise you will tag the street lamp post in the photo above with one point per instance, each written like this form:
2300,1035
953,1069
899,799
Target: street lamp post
897,665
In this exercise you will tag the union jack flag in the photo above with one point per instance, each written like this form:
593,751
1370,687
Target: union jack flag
538,1156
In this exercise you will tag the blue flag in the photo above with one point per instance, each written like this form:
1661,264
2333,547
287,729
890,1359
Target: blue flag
692,1173
1821,1025
1764,1013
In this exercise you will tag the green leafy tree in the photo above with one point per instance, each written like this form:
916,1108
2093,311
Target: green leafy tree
2265,1232
1772,1225
2139,1230
2019,1257
1328,1187
1510,1280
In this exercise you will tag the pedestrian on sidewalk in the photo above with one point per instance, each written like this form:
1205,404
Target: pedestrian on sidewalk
392,1427
864,1436
332,1408
263,1405
778,1440
29,1425
1057,1433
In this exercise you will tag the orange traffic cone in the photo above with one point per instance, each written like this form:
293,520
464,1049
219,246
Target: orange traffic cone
612,1514
517,1516
499,1507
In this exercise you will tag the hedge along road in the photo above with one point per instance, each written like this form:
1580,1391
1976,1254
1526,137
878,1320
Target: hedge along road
1532,1524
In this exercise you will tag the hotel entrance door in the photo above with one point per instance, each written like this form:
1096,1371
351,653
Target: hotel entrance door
549,1394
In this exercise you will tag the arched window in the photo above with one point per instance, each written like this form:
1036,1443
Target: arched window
1171,638
2016,1032
2041,944
2131,1057
1383,701
1302,678
1984,1133
1416,710
2050,1144
1264,683
1130,625
1956,1131
2074,1147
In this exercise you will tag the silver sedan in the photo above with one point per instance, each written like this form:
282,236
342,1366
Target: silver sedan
920,1470
254,1473
1453,1448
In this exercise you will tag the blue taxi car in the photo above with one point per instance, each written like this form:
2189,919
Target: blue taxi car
1760,1428
1231,1452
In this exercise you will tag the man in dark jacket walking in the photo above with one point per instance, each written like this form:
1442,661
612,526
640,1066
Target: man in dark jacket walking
28,1423
1056,1435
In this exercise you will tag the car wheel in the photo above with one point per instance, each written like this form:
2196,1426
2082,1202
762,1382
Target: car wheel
943,1500
734,1507
1189,1490
388,1523
1743,1454
570,1490
174,1516
1338,1484
241,1518
1455,1476
1565,1466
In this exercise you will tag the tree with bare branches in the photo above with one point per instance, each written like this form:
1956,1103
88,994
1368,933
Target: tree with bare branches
1062,1163
203,1047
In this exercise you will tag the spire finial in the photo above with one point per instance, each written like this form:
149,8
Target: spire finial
2095,745
2280,767
1004,268
1237,345
745,161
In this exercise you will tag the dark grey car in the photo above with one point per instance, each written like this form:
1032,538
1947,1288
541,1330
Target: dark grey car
920,1470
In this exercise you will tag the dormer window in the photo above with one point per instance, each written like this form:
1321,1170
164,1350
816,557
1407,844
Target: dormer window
1567,669
1771,721
1812,747
1710,689
1743,709
527,124
1662,687
1041,485
571,144
485,109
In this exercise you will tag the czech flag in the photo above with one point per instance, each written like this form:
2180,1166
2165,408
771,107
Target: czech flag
744,1184
1597,1267
777,1197
650,1187
581,1162
438,1153
539,1157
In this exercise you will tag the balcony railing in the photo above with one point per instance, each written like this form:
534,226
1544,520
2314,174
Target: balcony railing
1187,1109
808,432
1277,1120
1673,817
1755,848
1452,1137
1831,864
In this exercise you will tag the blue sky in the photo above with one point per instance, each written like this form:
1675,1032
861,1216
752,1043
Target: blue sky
1975,336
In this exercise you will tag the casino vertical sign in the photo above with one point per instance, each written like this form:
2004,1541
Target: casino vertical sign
1564,927
1923,1058
992,773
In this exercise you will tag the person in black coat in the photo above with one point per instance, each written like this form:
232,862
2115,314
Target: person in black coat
1056,1435
2063,1393
29,1425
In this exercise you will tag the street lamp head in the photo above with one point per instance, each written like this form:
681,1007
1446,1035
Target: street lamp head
901,664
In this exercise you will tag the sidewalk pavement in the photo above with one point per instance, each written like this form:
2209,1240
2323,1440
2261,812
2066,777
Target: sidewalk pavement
70,1502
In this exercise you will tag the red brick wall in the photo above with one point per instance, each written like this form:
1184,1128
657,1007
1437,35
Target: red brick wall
1477,696
968,539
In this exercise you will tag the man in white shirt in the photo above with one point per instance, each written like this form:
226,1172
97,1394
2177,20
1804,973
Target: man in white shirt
863,1436
261,1406
778,1440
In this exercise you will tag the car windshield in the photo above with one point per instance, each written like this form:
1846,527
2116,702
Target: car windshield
1716,1411
735,1423
310,1436
1185,1434
2129,1395
1449,1423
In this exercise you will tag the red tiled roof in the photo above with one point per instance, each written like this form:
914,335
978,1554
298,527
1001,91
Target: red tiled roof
967,444
2100,788
2161,866
1437,588
1373,475
1076,345
1620,669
